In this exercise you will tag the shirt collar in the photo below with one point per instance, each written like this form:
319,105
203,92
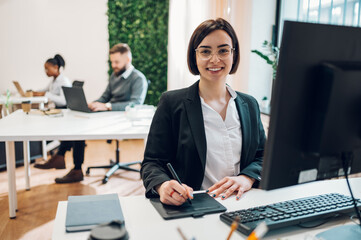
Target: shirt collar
128,71
231,92
229,89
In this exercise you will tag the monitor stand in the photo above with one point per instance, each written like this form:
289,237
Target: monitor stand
349,232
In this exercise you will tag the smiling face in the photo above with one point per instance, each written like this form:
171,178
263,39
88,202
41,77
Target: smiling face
215,68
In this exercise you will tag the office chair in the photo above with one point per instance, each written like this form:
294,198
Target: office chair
77,83
115,165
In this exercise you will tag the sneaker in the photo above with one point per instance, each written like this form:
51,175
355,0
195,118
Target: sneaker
73,176
56,162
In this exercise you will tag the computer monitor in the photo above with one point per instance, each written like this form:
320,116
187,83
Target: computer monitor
315,119
315,124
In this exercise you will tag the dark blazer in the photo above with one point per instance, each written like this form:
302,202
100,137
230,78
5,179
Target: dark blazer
177,136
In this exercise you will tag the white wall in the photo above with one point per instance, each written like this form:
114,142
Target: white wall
241,16
260,73
31,31
184,17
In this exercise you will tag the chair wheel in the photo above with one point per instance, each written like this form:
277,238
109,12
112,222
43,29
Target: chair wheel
105,180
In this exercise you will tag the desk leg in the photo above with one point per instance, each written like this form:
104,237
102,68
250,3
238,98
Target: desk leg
26,150
45,153
10,165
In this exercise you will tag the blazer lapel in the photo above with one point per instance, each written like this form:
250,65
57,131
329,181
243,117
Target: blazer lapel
195,118
244,117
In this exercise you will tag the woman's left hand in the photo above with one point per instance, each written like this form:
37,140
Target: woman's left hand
228,185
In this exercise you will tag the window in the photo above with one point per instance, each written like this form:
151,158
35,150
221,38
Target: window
339,12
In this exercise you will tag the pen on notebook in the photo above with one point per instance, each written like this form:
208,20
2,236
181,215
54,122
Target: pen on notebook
200,191
175,176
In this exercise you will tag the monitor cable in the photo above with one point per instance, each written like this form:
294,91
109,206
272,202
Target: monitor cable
347,158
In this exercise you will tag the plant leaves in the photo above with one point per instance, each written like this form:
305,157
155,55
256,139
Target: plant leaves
143,25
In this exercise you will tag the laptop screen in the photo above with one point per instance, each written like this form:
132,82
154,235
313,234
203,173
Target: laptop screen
19,88
75,99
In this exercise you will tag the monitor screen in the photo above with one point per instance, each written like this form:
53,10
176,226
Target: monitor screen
315,120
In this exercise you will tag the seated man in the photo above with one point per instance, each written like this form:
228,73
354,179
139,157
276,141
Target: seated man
126,86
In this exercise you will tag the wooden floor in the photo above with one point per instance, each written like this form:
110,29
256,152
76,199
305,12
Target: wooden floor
37,207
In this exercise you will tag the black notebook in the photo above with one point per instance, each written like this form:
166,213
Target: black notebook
201,204
85,212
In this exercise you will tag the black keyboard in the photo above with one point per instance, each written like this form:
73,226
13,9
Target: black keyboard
291,212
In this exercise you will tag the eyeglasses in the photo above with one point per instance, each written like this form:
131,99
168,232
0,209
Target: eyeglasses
206,54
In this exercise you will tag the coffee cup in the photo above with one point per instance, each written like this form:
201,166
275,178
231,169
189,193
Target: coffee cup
26,106
29,93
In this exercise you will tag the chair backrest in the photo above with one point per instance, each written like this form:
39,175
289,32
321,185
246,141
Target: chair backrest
77,83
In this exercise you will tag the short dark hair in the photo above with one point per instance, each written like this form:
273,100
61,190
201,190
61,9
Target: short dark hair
201,32
120,48
57,61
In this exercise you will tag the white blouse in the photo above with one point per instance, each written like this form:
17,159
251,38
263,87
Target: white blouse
224,142
55,93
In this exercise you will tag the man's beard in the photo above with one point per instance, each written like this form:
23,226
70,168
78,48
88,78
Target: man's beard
120,72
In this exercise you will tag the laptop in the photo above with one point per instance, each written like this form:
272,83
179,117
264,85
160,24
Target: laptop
19,88
75,99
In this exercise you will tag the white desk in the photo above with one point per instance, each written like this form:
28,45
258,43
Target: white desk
19,100
142,221
19,126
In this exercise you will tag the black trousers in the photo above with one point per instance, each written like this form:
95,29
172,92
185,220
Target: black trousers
78,151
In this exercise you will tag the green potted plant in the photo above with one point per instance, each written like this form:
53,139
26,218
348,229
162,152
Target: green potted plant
265,103
7,102
270,54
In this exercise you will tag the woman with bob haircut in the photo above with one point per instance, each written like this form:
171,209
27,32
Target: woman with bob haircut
211,134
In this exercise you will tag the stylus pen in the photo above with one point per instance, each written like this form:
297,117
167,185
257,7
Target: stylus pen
174,174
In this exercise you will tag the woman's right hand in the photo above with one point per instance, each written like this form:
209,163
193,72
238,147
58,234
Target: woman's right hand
172,193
